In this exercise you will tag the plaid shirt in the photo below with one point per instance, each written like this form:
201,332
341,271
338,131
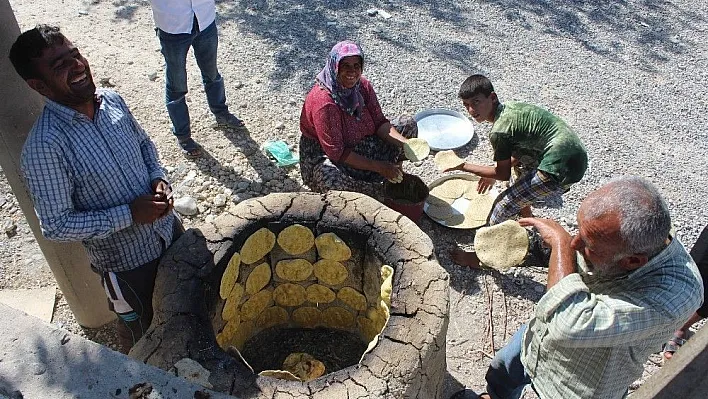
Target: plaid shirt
591,339
82,175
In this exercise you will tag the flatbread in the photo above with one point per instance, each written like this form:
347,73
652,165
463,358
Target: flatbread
439,201
330,272
447,159
502,246
338,318
256,304
398,178
304,366
317,293
258,278
296,239
257,246
293,269
416,149
330,246
352,298
279,374
307,317
228,279
451,188
478,211
272,316
289,294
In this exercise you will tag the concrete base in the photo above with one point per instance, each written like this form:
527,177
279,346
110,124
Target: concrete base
39,360
684,376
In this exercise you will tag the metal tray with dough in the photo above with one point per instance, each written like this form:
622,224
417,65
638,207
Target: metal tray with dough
460,204
444,129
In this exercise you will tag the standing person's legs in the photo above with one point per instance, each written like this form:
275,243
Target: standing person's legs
506,377
174,48
529,188
130,297
205,46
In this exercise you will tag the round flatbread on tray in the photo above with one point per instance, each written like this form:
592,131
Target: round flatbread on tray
451,189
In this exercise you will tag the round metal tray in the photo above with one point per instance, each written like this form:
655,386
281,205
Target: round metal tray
444,129
460,204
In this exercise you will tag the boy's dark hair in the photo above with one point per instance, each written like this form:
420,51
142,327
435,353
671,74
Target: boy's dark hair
29,45
475,84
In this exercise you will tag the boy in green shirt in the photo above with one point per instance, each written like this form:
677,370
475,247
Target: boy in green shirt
548,156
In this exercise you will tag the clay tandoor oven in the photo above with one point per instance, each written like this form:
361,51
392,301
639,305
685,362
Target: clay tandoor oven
303,295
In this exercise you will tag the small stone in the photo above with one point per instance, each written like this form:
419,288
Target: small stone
38,368
256,186
220,200
169,169
83,12
540,289
238,84
10,228
186,206
209,219
280,126
153,76
66,338
106,82
292,101
3,200
384,14
243,105
372,12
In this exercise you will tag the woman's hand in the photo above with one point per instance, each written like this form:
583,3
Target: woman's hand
388,170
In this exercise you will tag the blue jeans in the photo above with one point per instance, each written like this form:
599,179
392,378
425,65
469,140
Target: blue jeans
174,49
506,377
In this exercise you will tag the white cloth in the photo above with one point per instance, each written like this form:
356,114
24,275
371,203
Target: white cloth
177,16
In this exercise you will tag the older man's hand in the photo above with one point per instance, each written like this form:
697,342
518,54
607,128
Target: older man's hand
552,233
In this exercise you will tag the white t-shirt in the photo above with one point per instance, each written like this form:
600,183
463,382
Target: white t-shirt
177,16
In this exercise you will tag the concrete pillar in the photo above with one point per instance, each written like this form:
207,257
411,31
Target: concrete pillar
18,110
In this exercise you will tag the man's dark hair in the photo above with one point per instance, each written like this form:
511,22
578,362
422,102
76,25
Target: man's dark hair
29,45
475,84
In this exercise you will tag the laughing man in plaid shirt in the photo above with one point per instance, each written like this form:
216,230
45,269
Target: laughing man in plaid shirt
94,176
593,329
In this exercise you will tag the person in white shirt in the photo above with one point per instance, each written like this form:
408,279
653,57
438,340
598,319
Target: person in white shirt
181,24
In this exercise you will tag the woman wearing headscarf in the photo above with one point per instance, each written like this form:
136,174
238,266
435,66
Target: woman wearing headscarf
347,143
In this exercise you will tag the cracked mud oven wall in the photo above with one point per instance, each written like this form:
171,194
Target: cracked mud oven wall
409,360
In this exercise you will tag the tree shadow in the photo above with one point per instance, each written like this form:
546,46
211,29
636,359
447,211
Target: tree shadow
126,9
607,28
270,178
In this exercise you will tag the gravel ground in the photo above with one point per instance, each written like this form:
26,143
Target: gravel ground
619,72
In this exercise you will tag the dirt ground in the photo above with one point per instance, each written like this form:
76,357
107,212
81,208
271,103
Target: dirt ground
486,308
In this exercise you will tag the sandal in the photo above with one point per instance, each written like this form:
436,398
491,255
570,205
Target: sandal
190,148
672,345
